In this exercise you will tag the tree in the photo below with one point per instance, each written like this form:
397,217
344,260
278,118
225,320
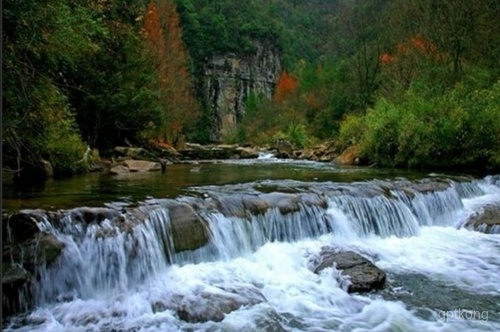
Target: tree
163,36
42,40
286,88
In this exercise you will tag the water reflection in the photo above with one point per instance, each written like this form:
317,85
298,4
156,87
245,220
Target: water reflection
96,189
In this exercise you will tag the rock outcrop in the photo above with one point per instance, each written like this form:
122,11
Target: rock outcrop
364,275
25,246
135,166
230,78
486,221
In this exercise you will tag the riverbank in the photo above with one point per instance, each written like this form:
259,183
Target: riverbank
197,153
156,157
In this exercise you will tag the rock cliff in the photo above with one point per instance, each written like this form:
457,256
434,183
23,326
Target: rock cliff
228,79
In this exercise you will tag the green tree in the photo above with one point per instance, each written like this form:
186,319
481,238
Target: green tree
41,41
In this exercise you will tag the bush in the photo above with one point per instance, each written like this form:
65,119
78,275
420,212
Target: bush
297,135
62,145
460,128
379,141
351,130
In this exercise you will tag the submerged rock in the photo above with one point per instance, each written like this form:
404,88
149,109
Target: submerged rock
364,275
214,305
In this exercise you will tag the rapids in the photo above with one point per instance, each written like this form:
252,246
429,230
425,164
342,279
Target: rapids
442,276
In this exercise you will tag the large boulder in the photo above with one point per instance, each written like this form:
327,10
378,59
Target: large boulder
188,230
25,245
364,275
284,148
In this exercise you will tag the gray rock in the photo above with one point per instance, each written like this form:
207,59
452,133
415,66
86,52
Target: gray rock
119,170
364,275
286,203
486,221
188,230
246,153
284,147
142,166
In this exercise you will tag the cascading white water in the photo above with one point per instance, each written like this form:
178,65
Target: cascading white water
113,279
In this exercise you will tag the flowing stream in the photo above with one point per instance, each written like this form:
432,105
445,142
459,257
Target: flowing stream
441,275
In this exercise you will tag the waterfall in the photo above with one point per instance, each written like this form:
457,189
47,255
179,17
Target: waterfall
105,257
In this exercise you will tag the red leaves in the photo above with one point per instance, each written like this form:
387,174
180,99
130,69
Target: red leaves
286,87
416,45
386,58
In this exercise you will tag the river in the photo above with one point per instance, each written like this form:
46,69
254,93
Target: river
441,275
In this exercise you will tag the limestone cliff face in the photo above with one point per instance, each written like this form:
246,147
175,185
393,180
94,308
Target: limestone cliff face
229,79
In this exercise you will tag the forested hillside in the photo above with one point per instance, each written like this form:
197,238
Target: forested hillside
403,83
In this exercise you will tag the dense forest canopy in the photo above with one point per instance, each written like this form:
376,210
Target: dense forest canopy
406,83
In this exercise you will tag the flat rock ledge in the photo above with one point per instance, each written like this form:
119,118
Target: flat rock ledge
364,275
135,166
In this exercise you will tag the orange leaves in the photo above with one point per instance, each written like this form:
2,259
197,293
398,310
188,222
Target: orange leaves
163,34
409,60
386,58
286,87
152,28
414,46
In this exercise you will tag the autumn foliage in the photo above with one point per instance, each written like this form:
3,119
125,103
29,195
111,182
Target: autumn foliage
163,35
286,87
409,58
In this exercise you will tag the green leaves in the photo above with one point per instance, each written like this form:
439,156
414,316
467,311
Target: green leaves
459,128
